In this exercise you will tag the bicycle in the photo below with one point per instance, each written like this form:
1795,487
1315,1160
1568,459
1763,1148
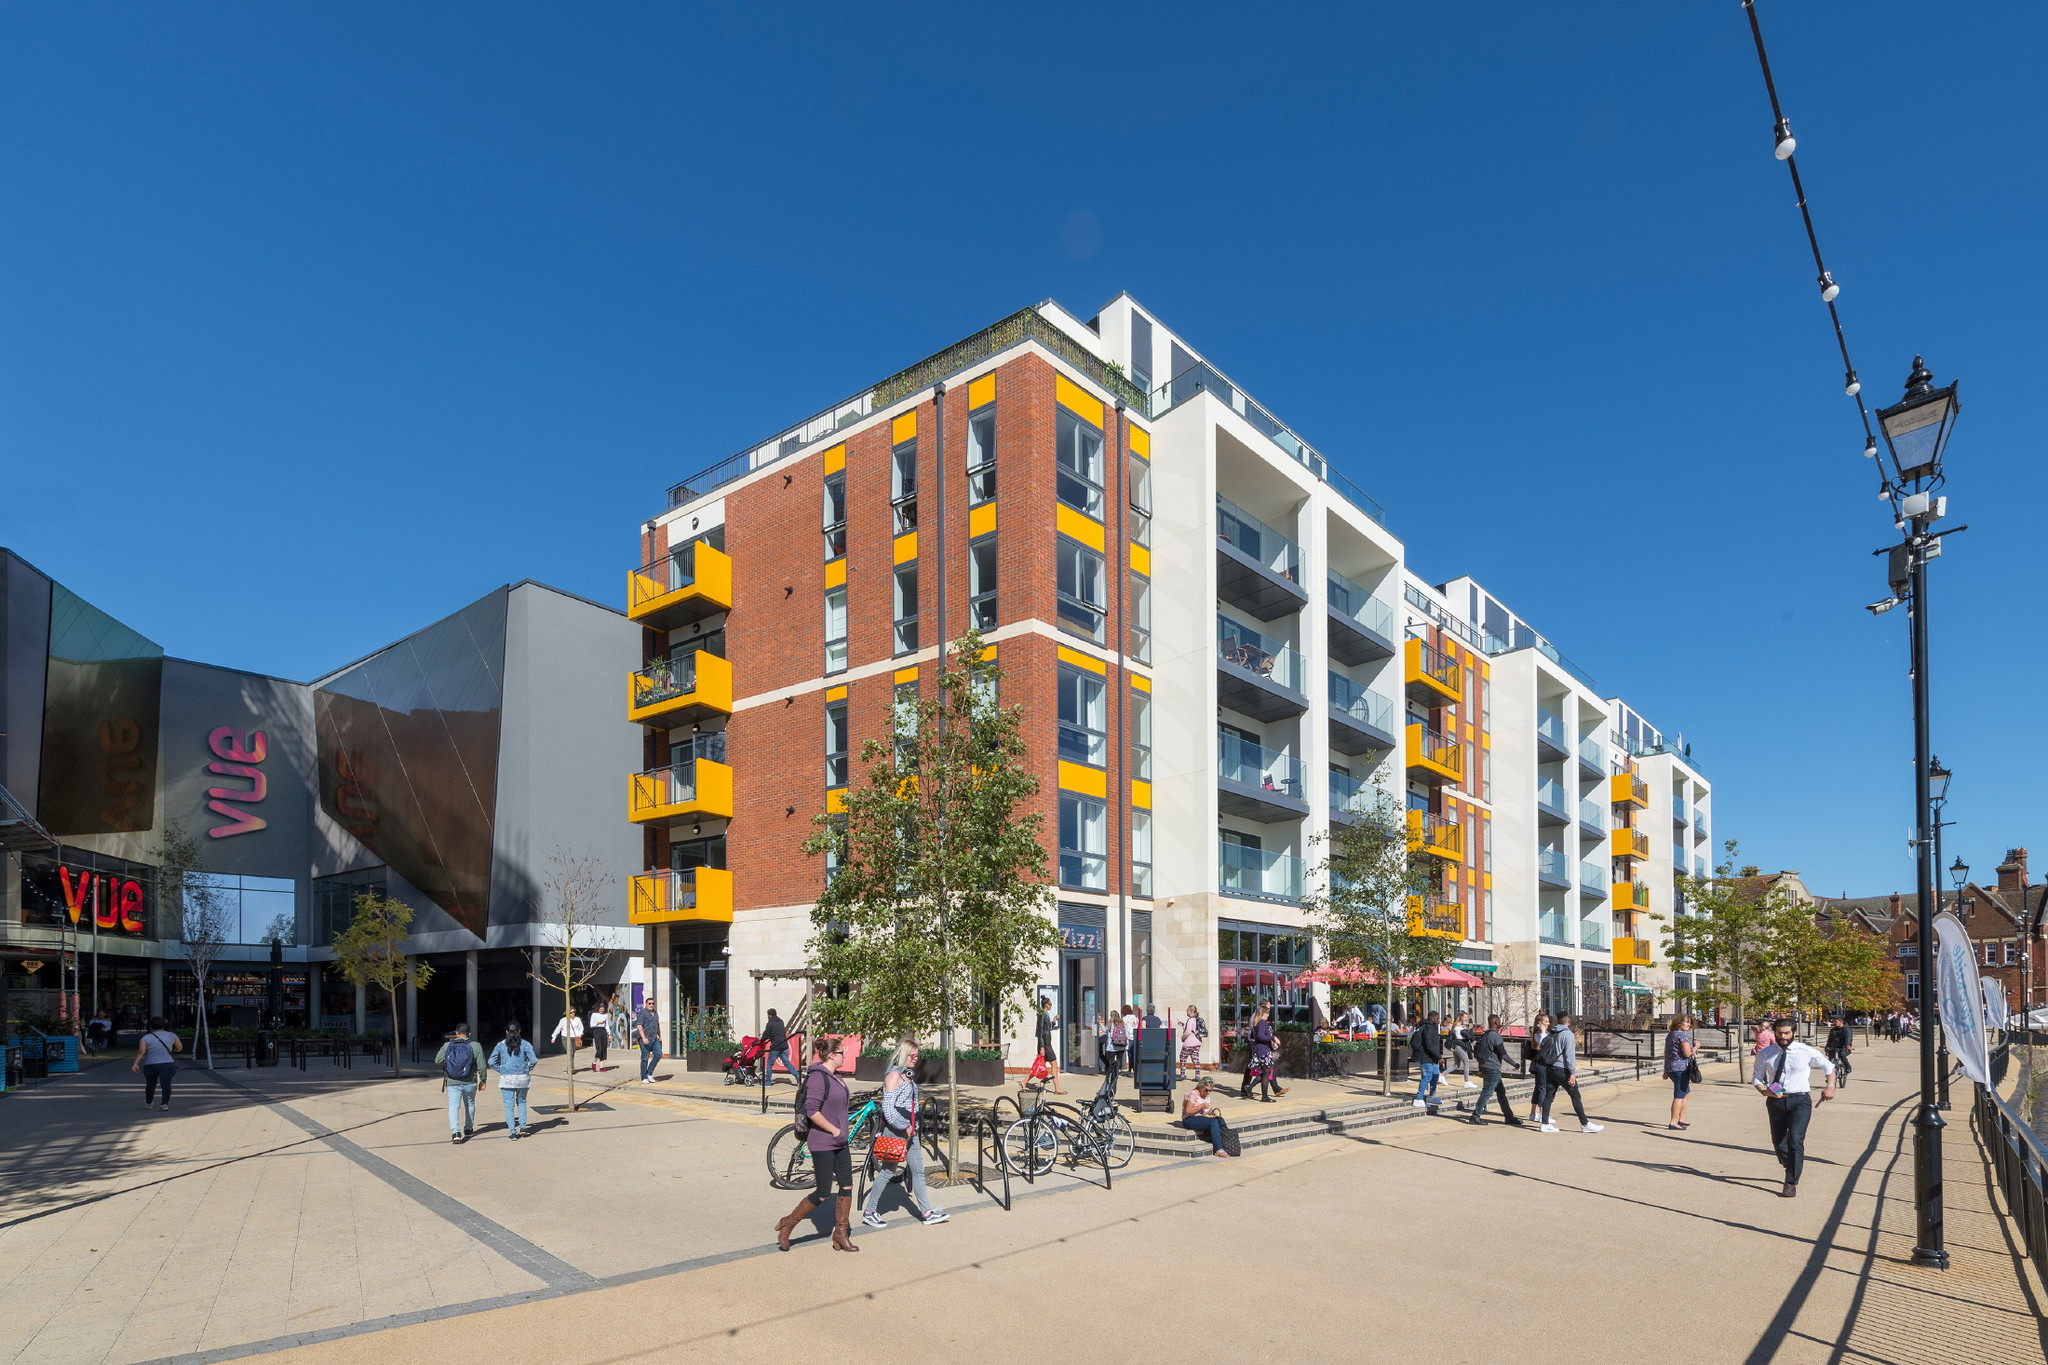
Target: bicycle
1030,1145
789,1160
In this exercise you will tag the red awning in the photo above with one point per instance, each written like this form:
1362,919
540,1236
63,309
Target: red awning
1352,974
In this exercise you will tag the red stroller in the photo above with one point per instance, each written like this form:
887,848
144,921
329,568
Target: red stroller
744,1067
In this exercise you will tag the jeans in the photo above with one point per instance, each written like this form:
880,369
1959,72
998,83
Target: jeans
1558,1085
1540,1096
913,1162
1490,1087
1209,1126
1464,1060
515,1108
155,1074
783,1053
1425,1084
649,1058
461,1108
1789,1115
836,1164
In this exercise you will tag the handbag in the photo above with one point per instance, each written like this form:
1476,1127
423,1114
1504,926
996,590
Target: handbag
891,1150
1692,1070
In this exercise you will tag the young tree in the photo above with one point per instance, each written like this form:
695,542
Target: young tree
938,889
183,888
572,892
371,952
1372,875
1724,933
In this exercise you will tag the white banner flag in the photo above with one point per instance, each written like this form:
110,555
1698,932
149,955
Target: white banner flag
1995,1016
1961,998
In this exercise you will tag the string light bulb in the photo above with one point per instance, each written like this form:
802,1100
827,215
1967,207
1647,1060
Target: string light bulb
1870,447
1829,290
1852,386
1786,143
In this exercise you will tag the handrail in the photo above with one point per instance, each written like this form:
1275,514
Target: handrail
2020,1162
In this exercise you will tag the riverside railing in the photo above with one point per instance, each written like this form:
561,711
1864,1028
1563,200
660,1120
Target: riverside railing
2020,1163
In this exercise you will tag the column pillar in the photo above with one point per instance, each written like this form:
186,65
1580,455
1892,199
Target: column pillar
536,1034
469,970
362,1009
412,1010
313,1000
156,987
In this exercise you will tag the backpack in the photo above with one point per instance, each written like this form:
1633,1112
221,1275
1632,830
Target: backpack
460,1063
1118,1035
803,1115
1552,1052
1201,1027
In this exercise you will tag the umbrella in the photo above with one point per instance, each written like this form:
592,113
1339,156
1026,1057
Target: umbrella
1352,974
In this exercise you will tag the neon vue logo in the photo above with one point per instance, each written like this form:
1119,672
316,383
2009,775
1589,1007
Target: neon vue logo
238,753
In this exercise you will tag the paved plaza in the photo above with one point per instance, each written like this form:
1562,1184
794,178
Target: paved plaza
326,1218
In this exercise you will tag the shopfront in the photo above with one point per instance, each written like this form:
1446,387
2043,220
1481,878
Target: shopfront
698,998
1257,964
1084,978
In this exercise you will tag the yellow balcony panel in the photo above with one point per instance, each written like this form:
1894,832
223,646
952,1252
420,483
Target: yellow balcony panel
1626,789
696,788
1631,952
1435,835
697,893
690,689
1432,677
1432,757
689,585
1433,918
1630,897
1630,843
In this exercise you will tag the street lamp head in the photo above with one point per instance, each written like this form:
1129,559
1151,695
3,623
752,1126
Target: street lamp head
1783,142
1937,780
1959,873
1917,427
1852,386
1829,292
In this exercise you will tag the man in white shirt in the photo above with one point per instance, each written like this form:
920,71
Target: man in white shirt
1783,1076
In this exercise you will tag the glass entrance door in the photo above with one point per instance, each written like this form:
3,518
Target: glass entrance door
1081,994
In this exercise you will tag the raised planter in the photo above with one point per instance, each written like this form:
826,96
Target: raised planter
701,1060
931,1071
870,1068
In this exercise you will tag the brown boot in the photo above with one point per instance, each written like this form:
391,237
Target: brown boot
788,1225
842,1234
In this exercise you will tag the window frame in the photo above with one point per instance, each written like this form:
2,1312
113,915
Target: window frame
838,762
1088,814
903,485
1070,430
981,455
1067,604
1139,477
1138,619
1141,735
1091,746
834,489
1141,843
902,624
838,642
983,583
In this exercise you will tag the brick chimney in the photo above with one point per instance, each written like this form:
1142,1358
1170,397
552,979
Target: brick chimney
2012,873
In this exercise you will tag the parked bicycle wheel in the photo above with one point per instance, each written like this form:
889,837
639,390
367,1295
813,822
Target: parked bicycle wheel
1029,1147
1121,1140
789,1160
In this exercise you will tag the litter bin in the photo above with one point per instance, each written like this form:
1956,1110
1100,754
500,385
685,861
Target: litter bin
266,1047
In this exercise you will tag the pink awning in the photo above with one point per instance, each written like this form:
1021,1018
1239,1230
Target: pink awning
1352,974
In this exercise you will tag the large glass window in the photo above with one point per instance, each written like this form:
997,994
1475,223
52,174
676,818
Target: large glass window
835,515
1084,725
1078,480
1141,852
334,901
835,743
685,854
981,582
1083,598
1556,986
1141,959
1140,619
903,485
1084,842
1141,499
906,608
835,629
981,454
1257,963
1141,735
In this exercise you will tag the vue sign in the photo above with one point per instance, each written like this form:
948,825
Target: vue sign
239,753
114,902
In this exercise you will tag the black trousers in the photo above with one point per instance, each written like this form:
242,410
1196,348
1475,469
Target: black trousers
836,1164
1490,1086
1840,1057
1553,1085
1789,1115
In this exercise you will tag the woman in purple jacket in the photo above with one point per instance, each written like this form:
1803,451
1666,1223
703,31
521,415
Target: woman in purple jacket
823,1102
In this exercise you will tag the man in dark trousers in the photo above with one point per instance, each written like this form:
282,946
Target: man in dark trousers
1838,1047
1491,1052
1784,1077
647,1033
775,1035
1560,1058
1426,1055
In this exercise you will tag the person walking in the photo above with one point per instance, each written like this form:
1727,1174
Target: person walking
1199,1114
899,1118
775,1039
1426,1052
1490,1049
1263,1065
1192,1031
1048,1052
1783,1075
821,1103
569,1033
600,1033
156,1057
1838,1047
514,1060
1461,1046
1532,1062
462,1071
1560,1056
1116,1040
1679,1067
647,1033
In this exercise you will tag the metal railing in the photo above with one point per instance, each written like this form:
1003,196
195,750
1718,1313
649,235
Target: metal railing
1249,650
1550,726
1434,663
665,679
677,569
1257,540
1253,765
1356,702
1348,599
1256,872
2020,1162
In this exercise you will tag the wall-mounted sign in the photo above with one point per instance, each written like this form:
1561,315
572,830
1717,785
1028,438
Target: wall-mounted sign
1081,940
104,900
239,753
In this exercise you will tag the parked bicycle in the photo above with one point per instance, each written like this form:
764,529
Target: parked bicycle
1098,1136
789,1159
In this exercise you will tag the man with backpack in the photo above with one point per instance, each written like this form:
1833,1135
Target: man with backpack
1838,1047
1491,1051
1426,1051
1559,1056
462,1070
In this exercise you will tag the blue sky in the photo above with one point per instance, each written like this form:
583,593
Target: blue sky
322,320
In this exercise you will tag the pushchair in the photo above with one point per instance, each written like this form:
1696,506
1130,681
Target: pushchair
744,1067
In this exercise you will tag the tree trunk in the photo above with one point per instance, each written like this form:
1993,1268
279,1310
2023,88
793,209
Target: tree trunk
1387,1041
395,1040
568,1030
203,1039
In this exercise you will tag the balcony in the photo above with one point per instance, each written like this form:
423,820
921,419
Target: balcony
1551,928
1552,870
1429,917
1257,676
669,693
1257,569
1593,816
1593,935
1258,875
1699,823
1631,897
1431,676
1436,836
1631,952
689,585
1592,758
1433,758
697,893
1594,879
1552,739
696,788
1626,789
1361,625
1258,783
1360,721
1350,799
1678,816
1629,843
1550,803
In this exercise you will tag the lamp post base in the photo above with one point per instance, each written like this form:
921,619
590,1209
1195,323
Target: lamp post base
1931,1245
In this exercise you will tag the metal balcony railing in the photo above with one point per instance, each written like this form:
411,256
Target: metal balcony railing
1354,701
1253,765
1256,540
1255,872
1249,650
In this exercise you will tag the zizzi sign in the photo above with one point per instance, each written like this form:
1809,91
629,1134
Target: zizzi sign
105,900
1081,940
237,754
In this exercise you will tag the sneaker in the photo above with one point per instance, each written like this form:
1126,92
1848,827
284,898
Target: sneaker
934,1217
455,1138
1422,1104
1592,1127
1546,1128
165,1105
1471,1085
873,1220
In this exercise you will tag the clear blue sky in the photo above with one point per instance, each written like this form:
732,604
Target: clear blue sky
321,320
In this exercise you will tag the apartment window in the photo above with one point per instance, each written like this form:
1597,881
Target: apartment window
835,515
2012,954
835,629
903,723
835,743
1141,853
1141,736
981,582
1991,954
685,854
1084,726
903,486
906,608
1078,480
1140,619
1909,950
1912,985
981,454
1083,599
835,851
1141,499
1084,842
